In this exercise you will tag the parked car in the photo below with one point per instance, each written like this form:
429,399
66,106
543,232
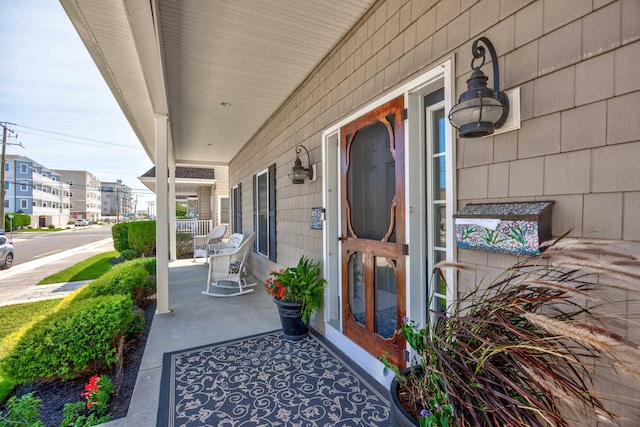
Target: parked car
81,222
6,252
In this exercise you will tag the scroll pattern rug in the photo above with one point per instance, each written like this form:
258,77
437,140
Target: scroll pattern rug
265,380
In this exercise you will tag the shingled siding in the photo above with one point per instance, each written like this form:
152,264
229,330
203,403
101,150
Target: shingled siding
575,62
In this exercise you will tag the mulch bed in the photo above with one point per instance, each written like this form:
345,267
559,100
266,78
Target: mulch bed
55,394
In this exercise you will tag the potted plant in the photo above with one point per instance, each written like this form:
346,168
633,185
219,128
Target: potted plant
521,350
298,292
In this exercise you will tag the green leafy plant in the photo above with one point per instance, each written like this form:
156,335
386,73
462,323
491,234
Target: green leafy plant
95,410
22,411
142,237
129,254
301,284
123,279
71,341
521,350
184,245
120,235
423,386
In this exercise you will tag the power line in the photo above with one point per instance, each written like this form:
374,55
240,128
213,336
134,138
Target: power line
88,145
72,136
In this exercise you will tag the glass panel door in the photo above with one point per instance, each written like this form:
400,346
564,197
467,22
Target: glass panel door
373,237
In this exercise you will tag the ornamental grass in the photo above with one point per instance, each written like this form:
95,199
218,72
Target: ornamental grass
526,349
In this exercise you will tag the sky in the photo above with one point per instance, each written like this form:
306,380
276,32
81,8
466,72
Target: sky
64,113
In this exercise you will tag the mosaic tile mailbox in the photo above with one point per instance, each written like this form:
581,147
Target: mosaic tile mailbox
508,228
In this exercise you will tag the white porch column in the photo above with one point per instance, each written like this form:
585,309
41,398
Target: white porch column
172,213
162,220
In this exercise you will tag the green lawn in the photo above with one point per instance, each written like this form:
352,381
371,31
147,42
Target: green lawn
13,317
89,269
38,230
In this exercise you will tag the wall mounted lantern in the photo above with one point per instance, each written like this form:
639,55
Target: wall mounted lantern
300,174
480,110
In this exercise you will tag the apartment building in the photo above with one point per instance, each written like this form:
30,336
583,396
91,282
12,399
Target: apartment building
85,194
35,190
117,201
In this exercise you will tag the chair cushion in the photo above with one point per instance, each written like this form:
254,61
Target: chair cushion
234,267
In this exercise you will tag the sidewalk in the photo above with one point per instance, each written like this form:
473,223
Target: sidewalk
44,292
18,283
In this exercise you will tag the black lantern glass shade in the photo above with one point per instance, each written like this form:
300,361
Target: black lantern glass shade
300,174
480,109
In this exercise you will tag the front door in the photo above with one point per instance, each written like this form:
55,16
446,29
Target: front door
373,248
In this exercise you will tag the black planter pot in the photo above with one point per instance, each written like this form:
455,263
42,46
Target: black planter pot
398,416
293,328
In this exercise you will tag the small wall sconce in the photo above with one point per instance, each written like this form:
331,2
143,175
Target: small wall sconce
300,174
480,110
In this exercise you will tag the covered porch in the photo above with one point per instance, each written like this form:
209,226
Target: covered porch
197,320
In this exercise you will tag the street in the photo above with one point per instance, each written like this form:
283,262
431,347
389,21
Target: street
39,255
34,245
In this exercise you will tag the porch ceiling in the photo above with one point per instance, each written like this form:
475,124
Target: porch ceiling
186,58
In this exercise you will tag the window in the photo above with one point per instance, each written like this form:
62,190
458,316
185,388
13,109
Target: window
265,212
23,168
6,203
6,185
6,166
236,209
223,209
24,203
23,186
438,166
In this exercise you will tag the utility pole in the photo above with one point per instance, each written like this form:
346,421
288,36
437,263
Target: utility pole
5,129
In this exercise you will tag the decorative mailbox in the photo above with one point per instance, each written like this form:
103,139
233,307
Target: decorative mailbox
509,228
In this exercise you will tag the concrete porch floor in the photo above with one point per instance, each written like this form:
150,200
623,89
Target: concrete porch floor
196,320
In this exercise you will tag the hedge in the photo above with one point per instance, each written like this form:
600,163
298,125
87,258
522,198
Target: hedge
142,237
149,264
123,279
19,220
84,337
120,234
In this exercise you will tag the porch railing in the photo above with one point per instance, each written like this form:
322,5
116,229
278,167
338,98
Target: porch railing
195,227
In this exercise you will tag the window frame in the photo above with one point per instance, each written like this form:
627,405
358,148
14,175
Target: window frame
24,204
269,212
220,210
235,206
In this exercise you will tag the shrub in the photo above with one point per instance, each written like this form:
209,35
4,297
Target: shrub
149,264
184,245
120,234
129,254
19,220
142,237
70,342
123,279
137,324
22,411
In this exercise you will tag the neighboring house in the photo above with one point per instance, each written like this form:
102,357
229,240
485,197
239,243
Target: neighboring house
85,194
245,89
205,191
117,201
37,191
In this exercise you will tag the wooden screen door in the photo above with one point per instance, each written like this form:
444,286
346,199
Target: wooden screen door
373,248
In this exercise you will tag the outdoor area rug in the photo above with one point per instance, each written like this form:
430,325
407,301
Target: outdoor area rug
266,380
